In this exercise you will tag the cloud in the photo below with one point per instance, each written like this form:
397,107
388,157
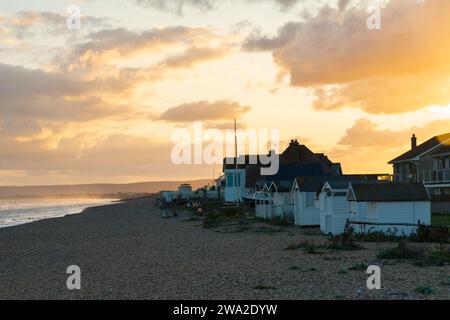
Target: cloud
367,148
97,54
24,23
178,6
193,56
116,157
125,41
402,67
204,111
37,95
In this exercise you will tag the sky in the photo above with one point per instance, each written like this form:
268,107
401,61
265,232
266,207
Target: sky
100,103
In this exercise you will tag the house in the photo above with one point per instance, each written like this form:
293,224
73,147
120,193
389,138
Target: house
395,206
429,163
332,201
242,179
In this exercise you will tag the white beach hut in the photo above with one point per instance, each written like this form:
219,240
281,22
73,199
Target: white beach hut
263,203
282,201
333,205
304,191
389,207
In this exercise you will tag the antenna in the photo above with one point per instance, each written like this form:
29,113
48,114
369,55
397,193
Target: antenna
235,143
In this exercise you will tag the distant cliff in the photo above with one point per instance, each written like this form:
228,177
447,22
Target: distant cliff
94,190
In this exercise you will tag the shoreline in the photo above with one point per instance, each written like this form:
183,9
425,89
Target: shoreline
126,251
37,218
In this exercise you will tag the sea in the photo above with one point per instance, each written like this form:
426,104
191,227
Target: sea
21,211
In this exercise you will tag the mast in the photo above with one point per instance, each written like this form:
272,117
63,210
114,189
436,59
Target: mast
235,143
236,159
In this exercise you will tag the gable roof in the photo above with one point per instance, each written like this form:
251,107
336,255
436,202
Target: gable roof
341,182
389,191
422,148
443,150
282,185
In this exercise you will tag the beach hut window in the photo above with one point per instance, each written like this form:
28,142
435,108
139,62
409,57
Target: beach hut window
230,180
309,203
238,180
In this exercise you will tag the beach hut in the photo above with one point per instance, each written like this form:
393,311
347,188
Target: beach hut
389,207
185,191
263,203
170,196
304,191
282,201
333,206
332,201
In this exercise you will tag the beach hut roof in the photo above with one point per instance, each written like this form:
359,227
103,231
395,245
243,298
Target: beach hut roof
389,191
282,185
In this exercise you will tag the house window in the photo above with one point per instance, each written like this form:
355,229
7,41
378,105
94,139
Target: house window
441,164
435,164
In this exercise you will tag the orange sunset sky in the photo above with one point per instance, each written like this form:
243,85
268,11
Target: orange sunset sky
100,104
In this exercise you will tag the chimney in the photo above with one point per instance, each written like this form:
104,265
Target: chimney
413,142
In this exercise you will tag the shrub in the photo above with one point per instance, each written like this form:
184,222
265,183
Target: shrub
296,246
359,267
345,241
278,221
439,234
400,252
439,258
308,247
311,249
424,290
234,212
377,236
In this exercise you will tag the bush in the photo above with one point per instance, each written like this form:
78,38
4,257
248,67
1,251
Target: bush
233,212
344,241
439,258
400,252
436,234
308,247
278,221
359,267
264,287
377,236
424,290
